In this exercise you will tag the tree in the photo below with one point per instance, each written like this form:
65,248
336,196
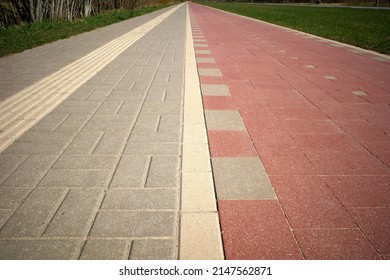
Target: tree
17,11
87,8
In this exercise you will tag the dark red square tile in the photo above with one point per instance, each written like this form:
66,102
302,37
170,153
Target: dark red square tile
380,99
363,131
384,157
311,126
276,140
346,96
254,110
347,163
378,147
375,224
336,110
382,122
275,84
299,113
242,89
231,72
327,142
317,96
386,257
256,230
283,98
233,75
218,103
230,144
334,244
301,83
284,162
261,127
309,203
371,216
360,191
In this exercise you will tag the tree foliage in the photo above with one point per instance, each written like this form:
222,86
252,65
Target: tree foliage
18,11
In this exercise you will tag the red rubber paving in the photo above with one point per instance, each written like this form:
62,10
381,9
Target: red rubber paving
309,203
218,103
335,244
230,143
256,230
360,191
318,117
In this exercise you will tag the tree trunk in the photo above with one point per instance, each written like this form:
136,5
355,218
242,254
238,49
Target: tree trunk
69,9
59,9
31,10
38,9
53,10
87,8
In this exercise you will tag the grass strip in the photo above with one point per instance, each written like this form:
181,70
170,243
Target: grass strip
19,38
365,28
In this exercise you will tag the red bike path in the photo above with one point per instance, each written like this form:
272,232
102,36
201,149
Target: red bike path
314,117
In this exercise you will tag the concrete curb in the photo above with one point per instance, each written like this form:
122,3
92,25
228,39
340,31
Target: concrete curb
200,234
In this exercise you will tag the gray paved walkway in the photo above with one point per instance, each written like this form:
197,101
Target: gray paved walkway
99,176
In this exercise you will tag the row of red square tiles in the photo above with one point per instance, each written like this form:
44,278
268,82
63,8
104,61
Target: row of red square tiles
245,237
319,226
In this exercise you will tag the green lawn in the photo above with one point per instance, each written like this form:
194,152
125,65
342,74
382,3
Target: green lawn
19,38
365,28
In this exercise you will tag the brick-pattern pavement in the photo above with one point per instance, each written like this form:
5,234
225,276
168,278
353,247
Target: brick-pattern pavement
298,146
316,114
99,177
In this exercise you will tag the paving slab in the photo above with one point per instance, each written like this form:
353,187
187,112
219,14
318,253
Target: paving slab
335,244
140,199
153,249
205,60
255,230
134,224
163,172
33,216
235,143
106,249
223,120
209,72
86,162
218,103
9,162
30,172
76,178
152,148
75,215
241,178
206,235
131,172
195,183
43,249
10,198
196,158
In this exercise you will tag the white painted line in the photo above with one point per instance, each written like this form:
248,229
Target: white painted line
200,233
23,110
